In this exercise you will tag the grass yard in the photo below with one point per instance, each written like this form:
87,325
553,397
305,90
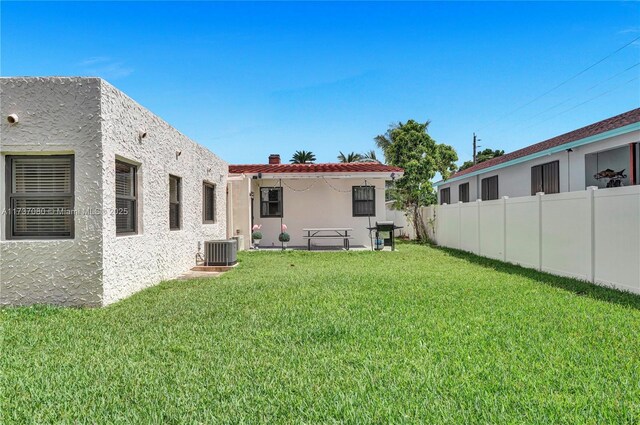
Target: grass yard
419,335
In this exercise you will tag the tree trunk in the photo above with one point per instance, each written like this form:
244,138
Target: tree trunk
415,217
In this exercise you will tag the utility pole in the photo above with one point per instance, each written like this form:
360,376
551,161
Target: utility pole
474,148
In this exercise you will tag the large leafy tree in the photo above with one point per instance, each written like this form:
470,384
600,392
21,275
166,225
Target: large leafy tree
482,156
350,157
409,146
303,157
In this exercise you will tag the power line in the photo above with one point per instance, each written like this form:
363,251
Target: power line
585,102
563,82
579,95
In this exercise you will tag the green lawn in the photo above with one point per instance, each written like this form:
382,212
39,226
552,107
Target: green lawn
418,335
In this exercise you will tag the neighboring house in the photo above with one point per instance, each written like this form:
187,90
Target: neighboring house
604,154
101,197
338,195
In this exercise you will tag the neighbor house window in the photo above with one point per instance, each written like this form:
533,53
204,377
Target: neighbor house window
545,178
445,196
490,188
40,197
363,201
270,202
463,192
208,203
175,206
126,198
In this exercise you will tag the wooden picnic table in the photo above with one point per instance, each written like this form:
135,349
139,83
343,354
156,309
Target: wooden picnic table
328,233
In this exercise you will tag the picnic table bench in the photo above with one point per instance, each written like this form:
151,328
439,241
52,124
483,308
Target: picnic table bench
328,233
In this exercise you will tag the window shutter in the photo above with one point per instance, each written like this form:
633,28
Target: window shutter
125,215
35,217
551,175
445,196
490,188
41,175
536,180
174,202
41,196
126,201
463,192
209,202
271,202
363,200
125,179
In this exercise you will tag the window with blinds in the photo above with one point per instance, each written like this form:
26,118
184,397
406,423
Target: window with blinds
463,192
126,198
270,202
363,201
208,203
445,196
545,178
489,188
175,207
40,197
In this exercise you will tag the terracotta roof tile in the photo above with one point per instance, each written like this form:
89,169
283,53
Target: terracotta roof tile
351,167
612,123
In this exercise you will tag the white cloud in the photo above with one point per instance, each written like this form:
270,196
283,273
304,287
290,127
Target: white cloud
631,30
105,67
93,61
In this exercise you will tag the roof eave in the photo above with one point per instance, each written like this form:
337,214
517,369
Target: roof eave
309,175
580,142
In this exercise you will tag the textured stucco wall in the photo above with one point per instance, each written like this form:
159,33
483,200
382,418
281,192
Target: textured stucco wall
61,116
94,121
134,262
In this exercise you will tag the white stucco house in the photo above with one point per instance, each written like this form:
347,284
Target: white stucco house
603,154
100,197
307,196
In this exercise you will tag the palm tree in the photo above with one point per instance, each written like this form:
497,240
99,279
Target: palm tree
369,156
383,141
303,157
350,157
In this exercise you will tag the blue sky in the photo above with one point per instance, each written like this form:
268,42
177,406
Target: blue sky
250,79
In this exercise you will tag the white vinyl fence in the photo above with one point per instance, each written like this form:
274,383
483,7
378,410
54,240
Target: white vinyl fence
399,218
592,235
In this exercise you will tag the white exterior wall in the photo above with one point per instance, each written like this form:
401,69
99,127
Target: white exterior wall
96,123
156,253
592,235
239,221
314,203
56,116
399,218
515,180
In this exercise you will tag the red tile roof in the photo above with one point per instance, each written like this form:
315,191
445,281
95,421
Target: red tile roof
350,167
612,123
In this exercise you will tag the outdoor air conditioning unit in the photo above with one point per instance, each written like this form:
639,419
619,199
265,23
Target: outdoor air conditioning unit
221,253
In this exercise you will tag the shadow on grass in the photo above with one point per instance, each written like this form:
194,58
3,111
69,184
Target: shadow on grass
578,287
